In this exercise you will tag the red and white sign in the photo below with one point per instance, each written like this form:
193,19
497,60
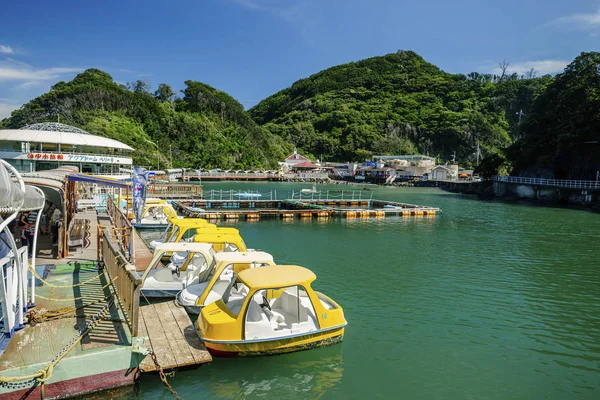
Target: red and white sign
84,158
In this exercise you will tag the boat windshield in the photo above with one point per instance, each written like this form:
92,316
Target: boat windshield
209,272
166,232
235,295
173,235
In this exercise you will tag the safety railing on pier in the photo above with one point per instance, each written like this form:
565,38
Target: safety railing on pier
125,280
232,175
122,231
324,195
310,176
239,195
564,183
13,290
173,189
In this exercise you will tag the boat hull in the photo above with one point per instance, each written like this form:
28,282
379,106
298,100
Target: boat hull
83,386
276,346
150,226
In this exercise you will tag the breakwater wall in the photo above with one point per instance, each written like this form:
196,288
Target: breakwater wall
542,194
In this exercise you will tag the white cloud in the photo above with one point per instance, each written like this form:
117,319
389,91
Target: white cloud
584,21
6,109
17,71
541,67
289,10
6,49
247,3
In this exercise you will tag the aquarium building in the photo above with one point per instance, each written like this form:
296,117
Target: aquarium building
49,145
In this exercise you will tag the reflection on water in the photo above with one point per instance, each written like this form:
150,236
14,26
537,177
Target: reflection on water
307,374
304,375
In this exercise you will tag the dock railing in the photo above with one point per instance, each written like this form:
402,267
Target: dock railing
311,176
123,230
564,183
239,195
324,195
174,189
125,280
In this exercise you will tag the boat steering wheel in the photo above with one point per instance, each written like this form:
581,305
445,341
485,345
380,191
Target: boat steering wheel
265,303
177,271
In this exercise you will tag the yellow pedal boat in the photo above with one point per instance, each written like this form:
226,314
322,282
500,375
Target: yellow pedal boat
280,313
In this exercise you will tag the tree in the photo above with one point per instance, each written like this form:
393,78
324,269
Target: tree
164,93
560,132
138,86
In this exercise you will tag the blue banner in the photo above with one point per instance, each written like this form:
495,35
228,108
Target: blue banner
139,181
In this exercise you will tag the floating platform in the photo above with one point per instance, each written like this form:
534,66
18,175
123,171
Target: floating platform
102,359
255,210
173,337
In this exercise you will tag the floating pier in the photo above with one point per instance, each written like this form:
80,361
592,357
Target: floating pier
172,336
316,204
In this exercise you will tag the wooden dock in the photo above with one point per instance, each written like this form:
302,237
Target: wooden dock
173,338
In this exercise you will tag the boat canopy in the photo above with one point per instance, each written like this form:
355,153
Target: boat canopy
183,246
99,180
244,257
276,277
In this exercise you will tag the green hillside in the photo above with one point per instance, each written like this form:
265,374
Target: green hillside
398,104
205,128
560,137
394,104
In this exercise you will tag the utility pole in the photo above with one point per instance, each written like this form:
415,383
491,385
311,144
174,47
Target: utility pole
171,154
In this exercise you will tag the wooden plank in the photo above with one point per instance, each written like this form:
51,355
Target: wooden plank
178,344
172,337
161,346
195,345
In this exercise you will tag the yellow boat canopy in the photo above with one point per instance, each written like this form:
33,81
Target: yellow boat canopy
276,277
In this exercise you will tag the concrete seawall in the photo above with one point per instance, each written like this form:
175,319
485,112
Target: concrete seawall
534,194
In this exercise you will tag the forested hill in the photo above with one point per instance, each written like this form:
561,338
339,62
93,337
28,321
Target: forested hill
204,128
560,137
394,104
399,104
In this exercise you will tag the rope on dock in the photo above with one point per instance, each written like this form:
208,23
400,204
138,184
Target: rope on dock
37,317
41,376
33,271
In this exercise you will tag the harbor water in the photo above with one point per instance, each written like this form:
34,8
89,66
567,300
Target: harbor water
487,301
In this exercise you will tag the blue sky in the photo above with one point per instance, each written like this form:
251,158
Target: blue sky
253,48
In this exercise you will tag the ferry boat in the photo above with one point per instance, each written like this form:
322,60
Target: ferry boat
214,280
279,313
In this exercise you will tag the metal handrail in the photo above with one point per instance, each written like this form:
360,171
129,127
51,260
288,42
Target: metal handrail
324,195
566,183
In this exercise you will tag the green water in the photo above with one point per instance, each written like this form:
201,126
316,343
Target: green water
487,301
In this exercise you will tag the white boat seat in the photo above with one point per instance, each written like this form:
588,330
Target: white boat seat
220,286
254,312
163,275
288,305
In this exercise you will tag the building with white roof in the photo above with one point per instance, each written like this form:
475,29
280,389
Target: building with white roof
48,145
